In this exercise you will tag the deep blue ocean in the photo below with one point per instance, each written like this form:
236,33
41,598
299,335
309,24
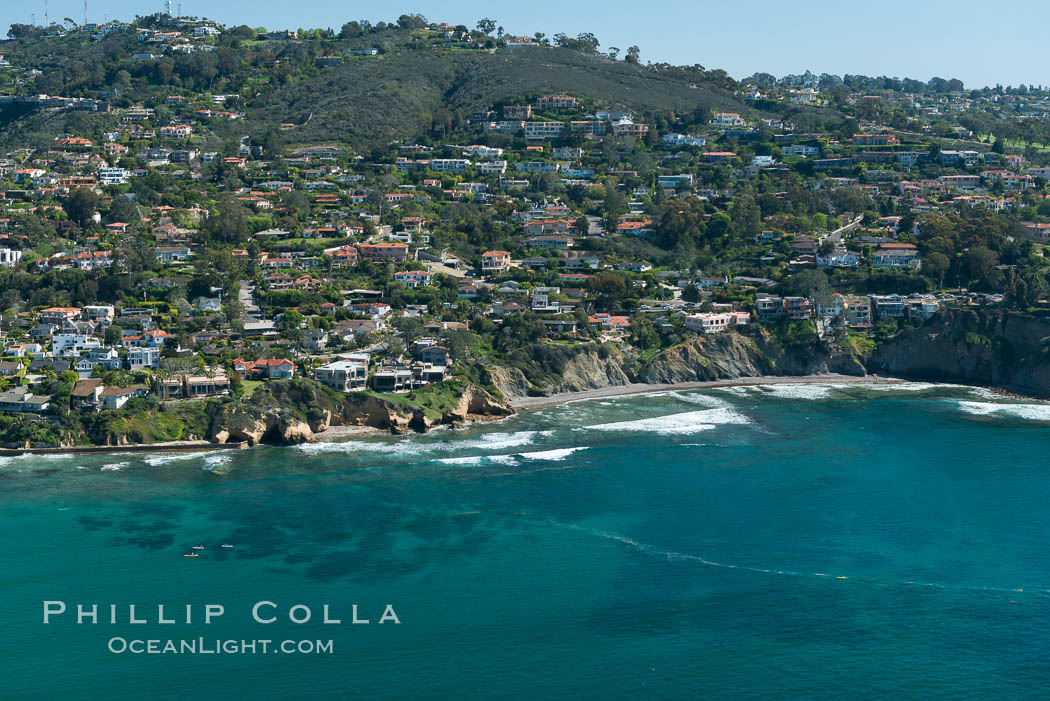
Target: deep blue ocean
776,542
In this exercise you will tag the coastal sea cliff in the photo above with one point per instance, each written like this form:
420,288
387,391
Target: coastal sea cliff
747,352
293,412
982,347
992,348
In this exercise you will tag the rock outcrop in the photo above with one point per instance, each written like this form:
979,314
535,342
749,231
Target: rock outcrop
511,382
269,426
751,352
475,403
1004,349
592,369
280,419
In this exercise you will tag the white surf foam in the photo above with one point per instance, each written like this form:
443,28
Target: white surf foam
409,446
701,399
553,455
34,457
799,390
498,441
985,393
166,458
353,446
113,467
677,424
215,461
902,386
479,459
1031,412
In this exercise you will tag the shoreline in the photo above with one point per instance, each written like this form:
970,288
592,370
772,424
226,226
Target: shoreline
518,404
634,388
165,447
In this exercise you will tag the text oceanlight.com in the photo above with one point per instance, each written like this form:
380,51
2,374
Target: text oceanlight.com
202,646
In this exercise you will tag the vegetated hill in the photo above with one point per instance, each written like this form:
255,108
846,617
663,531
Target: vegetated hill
372,101
412,85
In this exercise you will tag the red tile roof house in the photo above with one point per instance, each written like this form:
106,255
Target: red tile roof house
156,338
383,251
347,255
273,368
275,263
495,261
607,321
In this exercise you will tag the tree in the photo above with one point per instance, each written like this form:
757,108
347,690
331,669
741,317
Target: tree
980,260
350,30
123,209
23,31
81,205
487,25
412,22
808,283
291,326
633,54
691,293
936,265
588,39
272,142
229,222
644,332
113,335
583,225
395,347
609,286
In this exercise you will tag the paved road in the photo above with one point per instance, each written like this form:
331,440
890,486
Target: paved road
836,236
246,298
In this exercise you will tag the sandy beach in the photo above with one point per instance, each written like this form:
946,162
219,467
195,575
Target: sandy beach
640,388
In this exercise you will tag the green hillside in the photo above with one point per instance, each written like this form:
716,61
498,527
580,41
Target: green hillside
395,97
417,80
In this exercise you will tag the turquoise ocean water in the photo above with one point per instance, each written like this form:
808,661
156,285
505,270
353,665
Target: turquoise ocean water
776,542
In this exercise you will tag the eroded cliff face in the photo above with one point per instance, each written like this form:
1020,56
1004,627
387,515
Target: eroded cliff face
595,369
747,352
258,423
245,424
750,353
511,382
1005,349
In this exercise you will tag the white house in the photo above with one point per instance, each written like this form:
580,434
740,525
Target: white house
139,358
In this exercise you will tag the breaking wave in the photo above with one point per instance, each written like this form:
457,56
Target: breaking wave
1031,412
408,446
902,386
216,461
34,457
479,459
166,458
554,455
677,424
